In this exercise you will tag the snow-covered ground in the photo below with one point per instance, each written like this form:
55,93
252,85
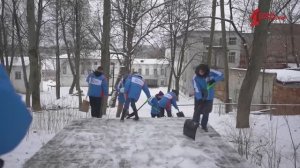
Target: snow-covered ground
262,146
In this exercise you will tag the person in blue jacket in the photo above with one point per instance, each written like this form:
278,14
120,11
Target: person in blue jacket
120,91
203,83
15,119
133,87
98,88
153,102
166,103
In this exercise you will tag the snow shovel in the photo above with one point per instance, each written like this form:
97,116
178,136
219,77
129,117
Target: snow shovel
190,128
132,114
180,114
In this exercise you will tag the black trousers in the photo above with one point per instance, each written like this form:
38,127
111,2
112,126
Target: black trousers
126,108
162,112
203,108
95,103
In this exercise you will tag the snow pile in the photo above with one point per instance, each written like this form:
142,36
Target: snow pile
286,75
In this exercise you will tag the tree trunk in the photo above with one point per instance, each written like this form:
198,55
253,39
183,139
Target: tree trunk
26,83
225,55
12,46
78,19
212,31
1,46
72,68
177,80
172,55
105,54
57,8
257,56
4,37
34,77
293,44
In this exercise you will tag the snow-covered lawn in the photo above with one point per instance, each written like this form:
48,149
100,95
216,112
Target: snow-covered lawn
260,144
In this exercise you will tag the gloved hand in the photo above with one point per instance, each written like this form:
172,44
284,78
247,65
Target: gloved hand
212,81
122,90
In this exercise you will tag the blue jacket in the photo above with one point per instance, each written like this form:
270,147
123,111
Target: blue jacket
98,86
202,89
134,85
15,119
167,100
121,84
154,106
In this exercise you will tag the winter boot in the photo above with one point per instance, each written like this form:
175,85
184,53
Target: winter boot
136,116
205,129
123,115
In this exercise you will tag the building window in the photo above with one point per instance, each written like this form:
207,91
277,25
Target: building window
231,57
18,75
147,71
206,40
162,72
64,69
95,63
162,83
140,71
155,72
232,41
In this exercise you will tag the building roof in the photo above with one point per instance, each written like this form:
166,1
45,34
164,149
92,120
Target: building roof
18,61
286,75
94,55
282,75
150,61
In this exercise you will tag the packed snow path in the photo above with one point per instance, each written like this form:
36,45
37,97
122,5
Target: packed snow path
109,143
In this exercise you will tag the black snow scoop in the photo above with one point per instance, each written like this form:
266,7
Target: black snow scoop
190,128
180,114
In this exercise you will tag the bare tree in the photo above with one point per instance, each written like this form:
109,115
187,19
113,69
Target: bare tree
130,14
33,51
294,145
21,50
78,21
249,82
183,17
292,13
105,53
57,8
225,55
66,18
212,30
3,36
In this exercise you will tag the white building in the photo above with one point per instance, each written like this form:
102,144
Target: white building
88,64
154,71
16,75
196,52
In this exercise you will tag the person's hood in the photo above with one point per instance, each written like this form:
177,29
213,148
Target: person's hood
97,73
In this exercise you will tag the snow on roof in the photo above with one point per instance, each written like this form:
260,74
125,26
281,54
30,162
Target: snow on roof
283,75
94,55
150,61
286,75
18,62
